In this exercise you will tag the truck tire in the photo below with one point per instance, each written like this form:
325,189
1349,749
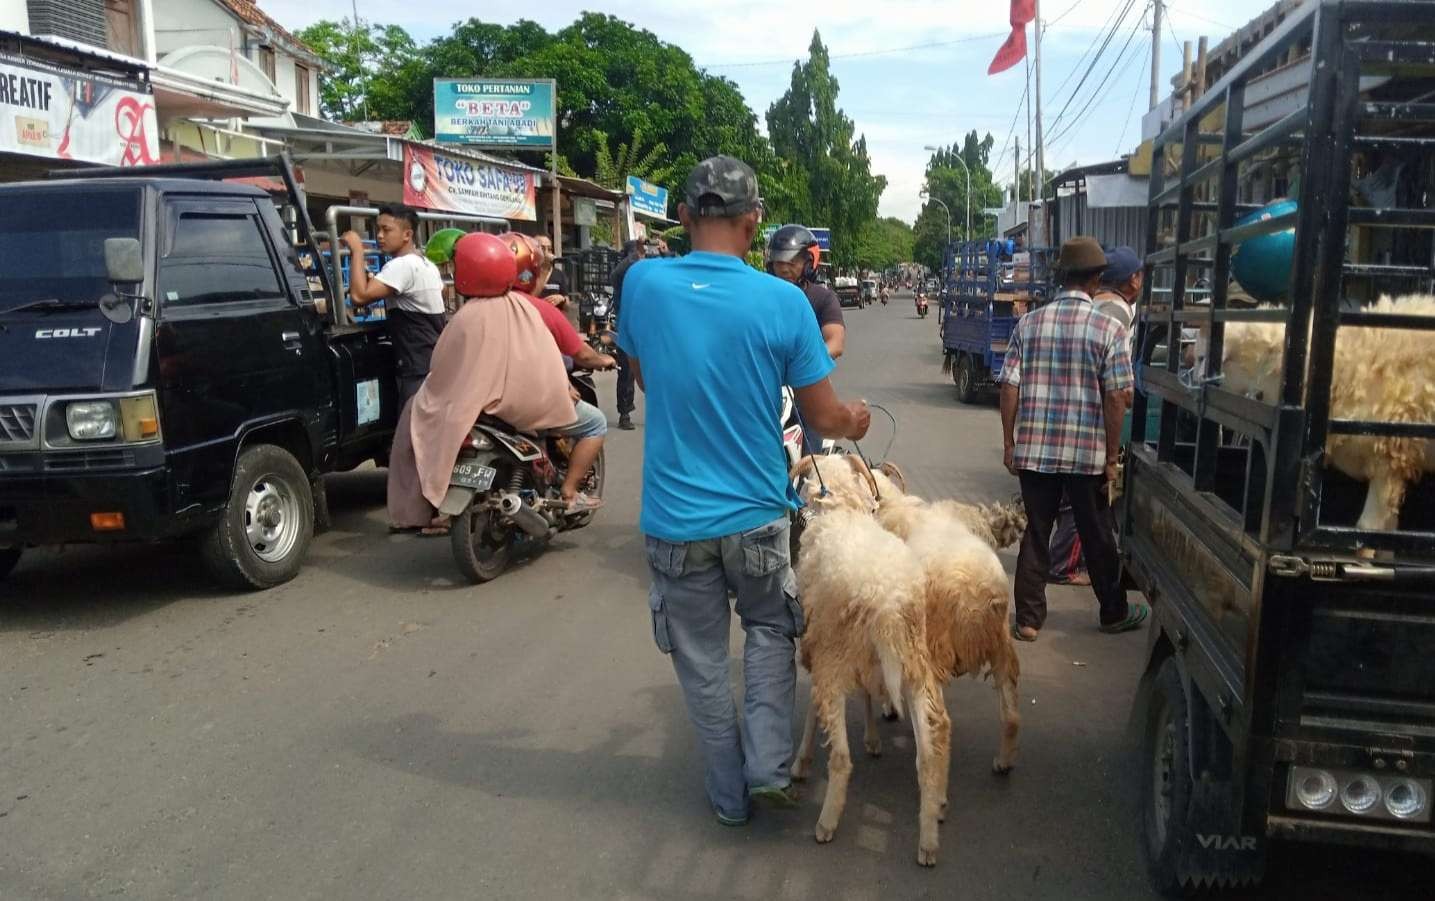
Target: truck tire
1166,781
965,377
268,521
8,558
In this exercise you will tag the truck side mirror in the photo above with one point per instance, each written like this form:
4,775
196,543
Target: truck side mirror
124,260
124,264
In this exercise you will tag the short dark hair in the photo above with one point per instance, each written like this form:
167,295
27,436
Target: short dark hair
402,213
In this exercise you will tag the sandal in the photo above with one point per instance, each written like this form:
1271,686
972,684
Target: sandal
1134,618
1021,633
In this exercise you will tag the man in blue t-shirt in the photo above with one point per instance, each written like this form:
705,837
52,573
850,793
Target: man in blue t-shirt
711,341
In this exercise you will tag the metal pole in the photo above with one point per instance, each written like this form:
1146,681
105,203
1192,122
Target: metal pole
1156,54
1040,153
553,173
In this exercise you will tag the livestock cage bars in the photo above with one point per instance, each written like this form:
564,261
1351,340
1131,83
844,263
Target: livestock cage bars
1330,109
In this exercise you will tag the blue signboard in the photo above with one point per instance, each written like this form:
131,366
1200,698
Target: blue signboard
824,238
494,112
648,198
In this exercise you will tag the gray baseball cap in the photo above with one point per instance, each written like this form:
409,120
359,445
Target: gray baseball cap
722,186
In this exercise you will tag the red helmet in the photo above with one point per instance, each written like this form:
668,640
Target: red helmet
529,257
483,266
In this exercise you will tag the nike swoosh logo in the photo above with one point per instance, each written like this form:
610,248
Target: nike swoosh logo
698,287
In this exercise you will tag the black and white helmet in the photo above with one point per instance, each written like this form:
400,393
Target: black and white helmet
792,242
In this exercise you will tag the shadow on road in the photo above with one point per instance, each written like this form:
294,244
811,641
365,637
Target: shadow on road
89,587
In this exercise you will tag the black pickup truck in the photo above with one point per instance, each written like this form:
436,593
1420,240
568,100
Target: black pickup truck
1290,690
174,364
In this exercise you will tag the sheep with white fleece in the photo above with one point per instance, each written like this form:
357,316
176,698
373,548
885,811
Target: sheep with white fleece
1380,374
862,596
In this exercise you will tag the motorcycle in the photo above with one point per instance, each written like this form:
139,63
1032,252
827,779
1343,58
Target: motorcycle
504,495
921,307
600,321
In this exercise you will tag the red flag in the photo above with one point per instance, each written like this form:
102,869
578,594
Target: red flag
1011,53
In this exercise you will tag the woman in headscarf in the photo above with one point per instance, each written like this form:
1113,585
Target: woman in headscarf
496,357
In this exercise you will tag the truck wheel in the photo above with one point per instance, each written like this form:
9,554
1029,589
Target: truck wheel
965,377
268,521
481,547
1166,782
8,558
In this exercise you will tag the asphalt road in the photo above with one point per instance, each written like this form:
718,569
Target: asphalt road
379,729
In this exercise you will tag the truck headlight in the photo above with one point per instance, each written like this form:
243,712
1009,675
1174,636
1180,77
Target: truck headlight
1405,799
1314,789
91,420
1360,794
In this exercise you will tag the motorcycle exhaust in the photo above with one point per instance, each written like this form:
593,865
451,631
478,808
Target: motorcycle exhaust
524,516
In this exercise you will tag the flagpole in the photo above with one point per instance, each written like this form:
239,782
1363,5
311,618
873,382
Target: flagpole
1040,154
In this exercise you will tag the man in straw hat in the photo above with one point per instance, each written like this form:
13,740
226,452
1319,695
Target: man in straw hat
1065,386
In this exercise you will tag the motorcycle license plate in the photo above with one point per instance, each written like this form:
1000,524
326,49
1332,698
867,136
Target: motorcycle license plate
473,475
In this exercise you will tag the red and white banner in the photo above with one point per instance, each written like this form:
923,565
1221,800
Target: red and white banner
1012,52
455,184
64,114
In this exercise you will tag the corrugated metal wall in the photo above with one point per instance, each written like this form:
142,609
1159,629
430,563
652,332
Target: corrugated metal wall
1111,226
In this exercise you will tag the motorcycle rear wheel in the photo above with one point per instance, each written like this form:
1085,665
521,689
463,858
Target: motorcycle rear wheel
481,547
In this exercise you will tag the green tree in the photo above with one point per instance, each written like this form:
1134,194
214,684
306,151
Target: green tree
946,180
828,180
356,53
883,243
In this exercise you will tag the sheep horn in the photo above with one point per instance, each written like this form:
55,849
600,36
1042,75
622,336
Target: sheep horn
860,467
890,470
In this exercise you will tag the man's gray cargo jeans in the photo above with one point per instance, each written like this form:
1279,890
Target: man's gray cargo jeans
689,605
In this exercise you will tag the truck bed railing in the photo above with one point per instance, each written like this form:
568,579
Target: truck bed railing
1360,56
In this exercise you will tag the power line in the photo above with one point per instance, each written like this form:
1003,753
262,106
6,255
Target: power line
1063,15
1080,60
1136,91
1122,63
792,59
1203,18
1057,121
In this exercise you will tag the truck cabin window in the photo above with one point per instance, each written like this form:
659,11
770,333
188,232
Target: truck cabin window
52,243
217,258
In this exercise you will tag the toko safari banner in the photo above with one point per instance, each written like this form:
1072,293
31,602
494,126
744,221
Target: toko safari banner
62,114
494,112
436,181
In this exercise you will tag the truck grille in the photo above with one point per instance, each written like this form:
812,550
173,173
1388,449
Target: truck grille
79,461
17,422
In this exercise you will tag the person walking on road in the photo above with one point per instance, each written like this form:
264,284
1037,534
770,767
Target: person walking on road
1120,289
711,341
1065,386
637,250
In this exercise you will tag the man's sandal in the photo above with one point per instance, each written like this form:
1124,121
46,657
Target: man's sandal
1134,618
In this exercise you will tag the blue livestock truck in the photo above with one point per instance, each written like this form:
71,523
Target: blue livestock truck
990,285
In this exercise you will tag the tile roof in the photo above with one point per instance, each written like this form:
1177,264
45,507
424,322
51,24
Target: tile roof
249,11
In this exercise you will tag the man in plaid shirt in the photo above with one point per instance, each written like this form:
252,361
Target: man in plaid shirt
1065,385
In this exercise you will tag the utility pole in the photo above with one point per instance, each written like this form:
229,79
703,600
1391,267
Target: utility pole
1156,54
1016,174
1040,156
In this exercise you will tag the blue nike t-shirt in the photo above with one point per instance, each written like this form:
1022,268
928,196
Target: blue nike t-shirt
716,340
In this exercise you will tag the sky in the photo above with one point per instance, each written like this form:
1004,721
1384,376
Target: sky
912,73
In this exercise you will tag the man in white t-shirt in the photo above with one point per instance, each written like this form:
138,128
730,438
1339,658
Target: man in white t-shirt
410,286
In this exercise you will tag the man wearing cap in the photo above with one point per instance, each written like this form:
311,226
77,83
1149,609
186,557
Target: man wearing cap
1120,289
711,342
1065,385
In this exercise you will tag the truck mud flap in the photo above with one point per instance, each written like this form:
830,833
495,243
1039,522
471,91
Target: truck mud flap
1217,856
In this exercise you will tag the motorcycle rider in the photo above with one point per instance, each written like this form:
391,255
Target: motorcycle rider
792,255
496,357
